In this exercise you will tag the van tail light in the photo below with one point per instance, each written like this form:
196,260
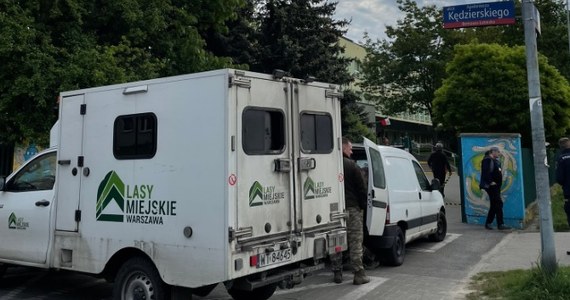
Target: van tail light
388,214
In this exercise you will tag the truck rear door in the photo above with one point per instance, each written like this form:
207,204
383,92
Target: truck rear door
264,176
316,141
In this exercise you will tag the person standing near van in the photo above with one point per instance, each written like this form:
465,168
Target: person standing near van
439,165
563,173
355,194
491,182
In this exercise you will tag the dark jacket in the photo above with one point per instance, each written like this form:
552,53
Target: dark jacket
490,172
563,172
438,163
355,191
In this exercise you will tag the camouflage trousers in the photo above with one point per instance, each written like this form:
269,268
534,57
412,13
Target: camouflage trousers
354,228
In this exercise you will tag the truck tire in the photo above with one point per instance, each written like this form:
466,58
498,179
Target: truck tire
394,256
138,279
261,293
439,235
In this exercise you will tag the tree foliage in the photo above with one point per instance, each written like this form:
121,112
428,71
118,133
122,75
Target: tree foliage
51,46
301,37
402,73
486,91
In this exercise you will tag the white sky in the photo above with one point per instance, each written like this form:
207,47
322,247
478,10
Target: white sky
372,16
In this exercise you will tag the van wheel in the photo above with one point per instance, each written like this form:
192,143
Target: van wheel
139,279
394,256
441,232
261,293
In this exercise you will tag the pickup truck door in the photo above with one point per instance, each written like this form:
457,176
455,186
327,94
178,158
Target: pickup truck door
377,192
26,203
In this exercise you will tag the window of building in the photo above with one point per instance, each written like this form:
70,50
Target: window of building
135,136
263,131
316,133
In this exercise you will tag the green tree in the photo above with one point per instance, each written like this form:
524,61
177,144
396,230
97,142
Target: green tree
51,46
402,73
301,37
486,91
553,41
354,118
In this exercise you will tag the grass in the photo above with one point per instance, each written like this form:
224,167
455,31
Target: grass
521,285
558,215
528,284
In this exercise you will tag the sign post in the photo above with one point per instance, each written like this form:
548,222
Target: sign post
548,255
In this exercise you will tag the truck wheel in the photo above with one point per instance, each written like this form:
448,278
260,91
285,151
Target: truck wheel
394,256
439,235
139,279
261,293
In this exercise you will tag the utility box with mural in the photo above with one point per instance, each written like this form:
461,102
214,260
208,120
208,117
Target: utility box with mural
474,200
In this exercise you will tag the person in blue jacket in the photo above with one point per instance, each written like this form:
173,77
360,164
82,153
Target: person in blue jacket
563,173
491,181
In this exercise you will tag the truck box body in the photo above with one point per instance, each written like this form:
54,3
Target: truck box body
213,176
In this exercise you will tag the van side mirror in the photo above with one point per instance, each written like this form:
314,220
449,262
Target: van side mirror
2,183
435,184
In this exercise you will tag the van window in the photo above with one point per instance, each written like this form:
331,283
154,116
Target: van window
316,133
263,131
135,136
401,174
377,168
422,179
37,175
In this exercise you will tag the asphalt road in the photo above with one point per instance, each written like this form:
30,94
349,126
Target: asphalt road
430,271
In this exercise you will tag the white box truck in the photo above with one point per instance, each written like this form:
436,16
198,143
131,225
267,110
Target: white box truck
171,186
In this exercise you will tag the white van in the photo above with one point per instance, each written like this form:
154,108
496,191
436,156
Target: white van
402,204
173,185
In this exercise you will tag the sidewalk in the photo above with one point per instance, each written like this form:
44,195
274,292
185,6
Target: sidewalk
522,250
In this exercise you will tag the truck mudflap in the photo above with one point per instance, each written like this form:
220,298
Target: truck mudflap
286,278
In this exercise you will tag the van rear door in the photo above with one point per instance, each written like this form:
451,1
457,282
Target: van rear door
377,192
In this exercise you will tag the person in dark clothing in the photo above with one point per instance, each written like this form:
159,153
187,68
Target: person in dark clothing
491,181
356,197
563,173
439,165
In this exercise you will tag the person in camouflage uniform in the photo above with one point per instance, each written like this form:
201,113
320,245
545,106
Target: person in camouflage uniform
355,194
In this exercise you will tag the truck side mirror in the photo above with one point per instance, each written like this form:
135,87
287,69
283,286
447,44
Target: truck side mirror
435,184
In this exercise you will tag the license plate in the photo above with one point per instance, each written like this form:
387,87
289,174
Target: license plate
272,258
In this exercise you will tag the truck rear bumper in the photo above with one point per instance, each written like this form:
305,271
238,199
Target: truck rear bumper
288,277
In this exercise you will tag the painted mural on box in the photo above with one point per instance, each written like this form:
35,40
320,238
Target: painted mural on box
24,152
477,201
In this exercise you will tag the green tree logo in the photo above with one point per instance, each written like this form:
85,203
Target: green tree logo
255,191
111,188
309,186
12,221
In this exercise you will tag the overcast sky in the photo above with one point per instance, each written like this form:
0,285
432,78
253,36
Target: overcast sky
372,16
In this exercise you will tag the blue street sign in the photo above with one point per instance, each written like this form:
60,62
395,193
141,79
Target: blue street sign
479,14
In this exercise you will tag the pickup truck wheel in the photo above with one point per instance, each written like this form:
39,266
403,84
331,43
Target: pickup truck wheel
139,279
261,293
394,256
439,235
